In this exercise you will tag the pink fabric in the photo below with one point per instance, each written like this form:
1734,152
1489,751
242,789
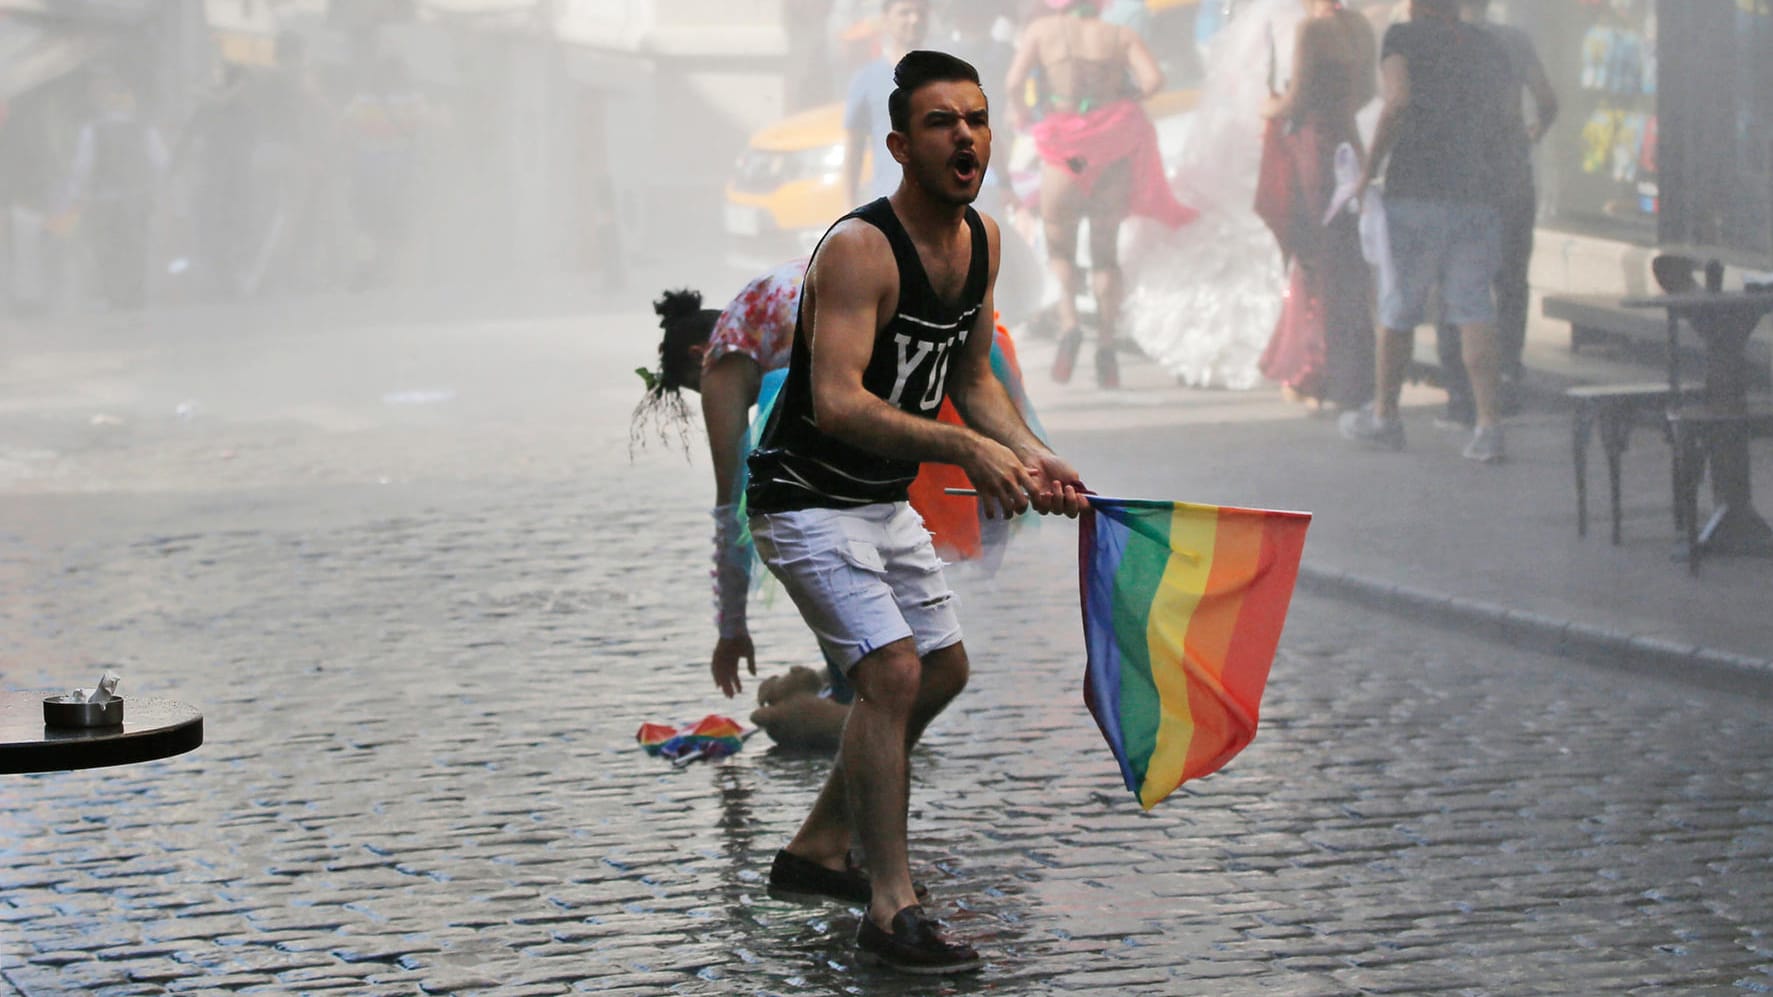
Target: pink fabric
1323,343
1099,138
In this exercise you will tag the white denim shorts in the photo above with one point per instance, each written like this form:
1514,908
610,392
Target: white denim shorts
862,578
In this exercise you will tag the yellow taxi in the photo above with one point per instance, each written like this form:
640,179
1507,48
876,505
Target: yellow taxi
787,186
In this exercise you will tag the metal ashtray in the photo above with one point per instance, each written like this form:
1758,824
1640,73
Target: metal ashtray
68,711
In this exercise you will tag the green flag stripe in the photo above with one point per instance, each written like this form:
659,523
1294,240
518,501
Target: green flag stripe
1141,572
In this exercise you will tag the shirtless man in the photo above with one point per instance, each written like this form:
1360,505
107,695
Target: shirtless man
896,314
1099,158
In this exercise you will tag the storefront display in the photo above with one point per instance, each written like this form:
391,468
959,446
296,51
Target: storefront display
1599,168
1718,125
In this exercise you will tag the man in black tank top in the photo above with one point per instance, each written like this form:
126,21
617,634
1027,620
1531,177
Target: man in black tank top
896,315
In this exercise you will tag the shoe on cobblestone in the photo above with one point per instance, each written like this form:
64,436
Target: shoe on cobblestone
1364,426
1486,445
794,877
915,945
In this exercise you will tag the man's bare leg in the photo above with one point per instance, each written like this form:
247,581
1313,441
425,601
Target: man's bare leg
825,835
896,698
1482,350
1397,348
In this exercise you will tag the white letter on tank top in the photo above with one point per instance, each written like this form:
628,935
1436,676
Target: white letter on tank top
932,398
907,365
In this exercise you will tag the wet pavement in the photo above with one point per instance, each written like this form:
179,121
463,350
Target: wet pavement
424,600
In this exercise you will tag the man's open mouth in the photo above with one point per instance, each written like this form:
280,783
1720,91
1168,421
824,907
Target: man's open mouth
965,166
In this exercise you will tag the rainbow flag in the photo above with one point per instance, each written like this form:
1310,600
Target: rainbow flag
711,737
1182,608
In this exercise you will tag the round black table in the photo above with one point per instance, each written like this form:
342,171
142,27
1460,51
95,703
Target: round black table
1724,321
152,728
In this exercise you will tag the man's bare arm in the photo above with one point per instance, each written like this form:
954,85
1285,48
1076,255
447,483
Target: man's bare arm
1395,87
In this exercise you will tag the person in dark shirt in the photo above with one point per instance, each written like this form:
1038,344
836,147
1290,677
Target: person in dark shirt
895,315
1520,210
1444,143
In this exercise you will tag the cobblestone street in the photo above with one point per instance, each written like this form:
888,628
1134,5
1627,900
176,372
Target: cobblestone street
423,599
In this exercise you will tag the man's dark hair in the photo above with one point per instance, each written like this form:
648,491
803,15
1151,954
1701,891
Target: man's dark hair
1442,8
919,69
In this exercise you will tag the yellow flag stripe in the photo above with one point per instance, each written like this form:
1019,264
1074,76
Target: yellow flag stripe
1193,530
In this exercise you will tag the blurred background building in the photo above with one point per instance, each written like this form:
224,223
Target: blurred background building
325,143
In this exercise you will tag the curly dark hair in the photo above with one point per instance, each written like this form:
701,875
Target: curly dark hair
686,324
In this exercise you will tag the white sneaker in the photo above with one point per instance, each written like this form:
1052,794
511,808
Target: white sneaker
1486,445
1364,426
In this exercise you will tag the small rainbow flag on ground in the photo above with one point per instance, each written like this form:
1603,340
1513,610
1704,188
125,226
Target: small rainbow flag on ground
1182,608
711,737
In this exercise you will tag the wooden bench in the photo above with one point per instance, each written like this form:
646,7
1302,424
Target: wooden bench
1599,319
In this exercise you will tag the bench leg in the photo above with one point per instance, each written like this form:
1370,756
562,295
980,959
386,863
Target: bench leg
1581,428
1674,460
1616,424
1689,464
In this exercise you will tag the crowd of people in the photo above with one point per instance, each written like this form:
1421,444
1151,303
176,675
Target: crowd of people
277,181
1247,260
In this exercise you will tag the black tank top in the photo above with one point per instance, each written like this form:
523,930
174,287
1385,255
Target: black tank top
798,466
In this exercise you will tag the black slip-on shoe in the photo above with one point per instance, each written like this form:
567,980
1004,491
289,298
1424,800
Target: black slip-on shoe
795,877
915,945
